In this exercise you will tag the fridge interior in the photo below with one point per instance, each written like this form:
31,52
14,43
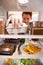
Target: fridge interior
20,40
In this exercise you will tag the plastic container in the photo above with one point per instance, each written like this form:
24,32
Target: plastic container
2,25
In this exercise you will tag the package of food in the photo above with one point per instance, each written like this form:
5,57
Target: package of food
7,49
2,26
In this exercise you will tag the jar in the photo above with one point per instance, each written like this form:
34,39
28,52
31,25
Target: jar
2,26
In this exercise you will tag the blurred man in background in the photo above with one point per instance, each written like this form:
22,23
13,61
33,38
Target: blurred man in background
27,17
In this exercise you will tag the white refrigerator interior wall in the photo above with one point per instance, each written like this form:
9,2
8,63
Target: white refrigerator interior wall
3,13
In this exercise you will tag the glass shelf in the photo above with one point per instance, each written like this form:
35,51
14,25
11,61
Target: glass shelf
21,36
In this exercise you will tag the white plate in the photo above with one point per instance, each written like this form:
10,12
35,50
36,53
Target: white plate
39,54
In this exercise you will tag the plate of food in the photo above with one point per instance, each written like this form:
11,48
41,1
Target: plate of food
31,48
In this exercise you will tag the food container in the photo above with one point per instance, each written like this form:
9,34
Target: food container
39,24
22,29
16,31
37,31
12,31
7,49
2,26
22,61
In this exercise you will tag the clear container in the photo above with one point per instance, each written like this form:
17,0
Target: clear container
2,25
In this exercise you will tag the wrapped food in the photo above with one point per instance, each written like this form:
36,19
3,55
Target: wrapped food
7,49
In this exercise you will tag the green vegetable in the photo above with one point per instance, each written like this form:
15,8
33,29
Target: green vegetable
15,63
29,61
22,41
12,63
25,62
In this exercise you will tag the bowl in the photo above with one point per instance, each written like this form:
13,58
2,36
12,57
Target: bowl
16,31
12,31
